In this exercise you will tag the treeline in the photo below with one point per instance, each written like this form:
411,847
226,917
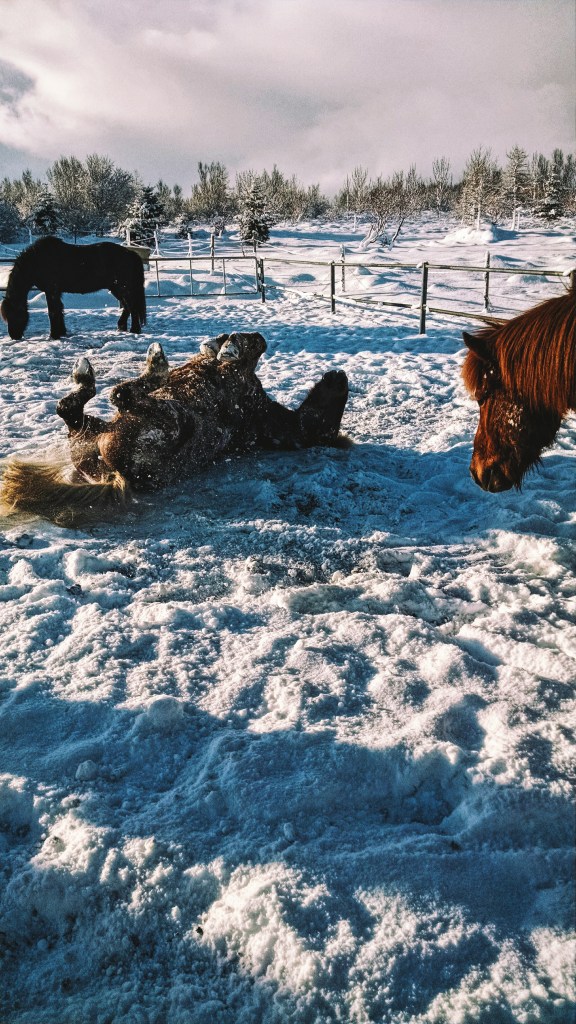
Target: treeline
97,197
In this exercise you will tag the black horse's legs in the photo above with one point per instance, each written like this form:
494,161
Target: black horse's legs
56,315
135,325
123,318
126,311
130,393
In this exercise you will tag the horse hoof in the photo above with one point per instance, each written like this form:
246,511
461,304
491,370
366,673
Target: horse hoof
212,346
231,350
336,380
156,362
83,372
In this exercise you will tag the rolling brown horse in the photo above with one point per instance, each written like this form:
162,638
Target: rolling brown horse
168,425
55,266
523,376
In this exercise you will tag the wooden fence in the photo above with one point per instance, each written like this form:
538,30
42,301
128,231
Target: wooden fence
336,271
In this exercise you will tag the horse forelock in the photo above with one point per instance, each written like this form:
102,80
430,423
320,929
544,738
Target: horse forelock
474,367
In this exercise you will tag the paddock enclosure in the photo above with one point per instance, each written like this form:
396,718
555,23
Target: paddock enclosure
293,741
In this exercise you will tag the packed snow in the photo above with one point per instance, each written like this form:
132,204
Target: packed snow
291,741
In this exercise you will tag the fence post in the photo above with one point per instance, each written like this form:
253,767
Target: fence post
487,284
423,298
343,256
262,281
212,250
333,286
157,277
224,273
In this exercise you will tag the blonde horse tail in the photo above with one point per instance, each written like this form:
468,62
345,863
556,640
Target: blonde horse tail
42,488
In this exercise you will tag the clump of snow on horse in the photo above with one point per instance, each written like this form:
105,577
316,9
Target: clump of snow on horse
169,424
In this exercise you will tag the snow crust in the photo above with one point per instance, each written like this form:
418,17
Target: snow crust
292,742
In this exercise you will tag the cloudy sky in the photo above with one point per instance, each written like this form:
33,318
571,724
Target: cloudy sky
315,86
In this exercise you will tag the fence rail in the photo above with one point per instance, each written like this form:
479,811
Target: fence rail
262,287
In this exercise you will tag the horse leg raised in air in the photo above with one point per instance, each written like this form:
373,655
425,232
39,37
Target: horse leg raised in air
54,267
523,375
171,423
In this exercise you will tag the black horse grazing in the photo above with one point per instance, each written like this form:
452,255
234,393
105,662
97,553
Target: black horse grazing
54,266
170,424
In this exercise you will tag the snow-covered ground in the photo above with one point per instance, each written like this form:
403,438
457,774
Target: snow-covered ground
292,743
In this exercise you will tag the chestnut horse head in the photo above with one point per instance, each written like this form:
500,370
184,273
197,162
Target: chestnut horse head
523,375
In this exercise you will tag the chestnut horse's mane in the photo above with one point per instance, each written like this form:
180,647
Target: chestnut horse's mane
535,352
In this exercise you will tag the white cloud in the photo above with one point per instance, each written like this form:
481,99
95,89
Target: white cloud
315,87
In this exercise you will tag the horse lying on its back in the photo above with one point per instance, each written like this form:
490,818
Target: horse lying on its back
170,424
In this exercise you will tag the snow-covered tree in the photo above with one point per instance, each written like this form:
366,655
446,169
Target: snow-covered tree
254,218
211,199
551,205
390,202
144,216
354,196
171,201
515,182
108,192
9,221
23,193
44,218
314,203
69,180
481,193
538,176
441,185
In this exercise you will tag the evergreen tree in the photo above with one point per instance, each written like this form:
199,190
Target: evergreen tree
551,205
538,176
515,182
44,218
9,221
254,220
144,216
171,202
315,203
570,184
22,193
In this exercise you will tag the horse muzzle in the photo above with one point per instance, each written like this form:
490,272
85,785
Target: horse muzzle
491,478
